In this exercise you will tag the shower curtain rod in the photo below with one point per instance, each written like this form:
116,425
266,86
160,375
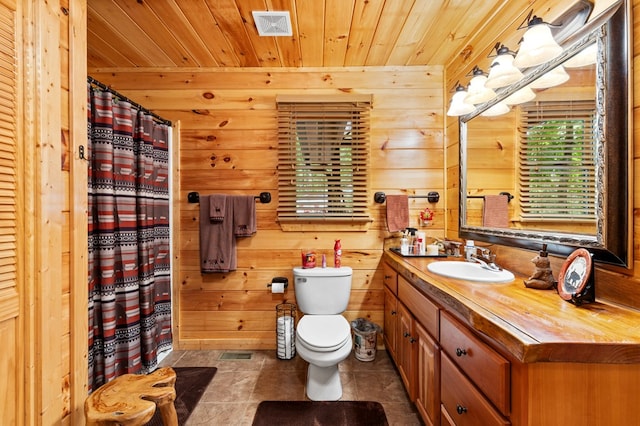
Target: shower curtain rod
120,96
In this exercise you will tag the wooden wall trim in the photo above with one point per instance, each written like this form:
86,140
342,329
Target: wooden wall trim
78,194
44,196
176,284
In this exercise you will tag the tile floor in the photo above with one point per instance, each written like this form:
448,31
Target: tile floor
239,385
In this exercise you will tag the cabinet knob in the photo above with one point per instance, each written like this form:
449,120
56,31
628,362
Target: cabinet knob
386,277
393,312
406,334
460,352
412,340
460,409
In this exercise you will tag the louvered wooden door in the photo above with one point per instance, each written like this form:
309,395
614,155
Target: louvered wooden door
11,359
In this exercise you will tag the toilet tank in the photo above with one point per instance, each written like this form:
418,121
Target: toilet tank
322,291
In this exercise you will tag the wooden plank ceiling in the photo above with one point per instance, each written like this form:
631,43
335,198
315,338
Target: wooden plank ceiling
326,33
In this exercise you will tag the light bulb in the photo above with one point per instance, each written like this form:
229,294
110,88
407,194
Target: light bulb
502,72
520,96
497,109
538,46
458,105
478,93
551,78
586,56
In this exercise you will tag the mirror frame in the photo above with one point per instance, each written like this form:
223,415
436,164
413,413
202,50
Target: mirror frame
612,243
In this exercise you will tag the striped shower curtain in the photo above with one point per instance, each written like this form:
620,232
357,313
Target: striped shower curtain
129,261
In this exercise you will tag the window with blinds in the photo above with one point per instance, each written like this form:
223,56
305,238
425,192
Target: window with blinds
323,158
558,161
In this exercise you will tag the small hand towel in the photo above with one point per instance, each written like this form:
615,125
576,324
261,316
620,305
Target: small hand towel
217,204
397,212
244,215
495,213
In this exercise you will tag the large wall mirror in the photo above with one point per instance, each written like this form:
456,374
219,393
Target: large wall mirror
563,157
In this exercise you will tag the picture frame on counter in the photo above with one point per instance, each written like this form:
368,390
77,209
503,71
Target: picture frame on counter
576,282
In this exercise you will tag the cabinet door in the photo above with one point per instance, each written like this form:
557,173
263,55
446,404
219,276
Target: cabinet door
428,377
407,354
391,323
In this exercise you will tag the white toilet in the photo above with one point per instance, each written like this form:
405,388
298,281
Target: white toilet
323,336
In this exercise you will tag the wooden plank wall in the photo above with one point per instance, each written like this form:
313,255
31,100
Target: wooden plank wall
491,160
228,145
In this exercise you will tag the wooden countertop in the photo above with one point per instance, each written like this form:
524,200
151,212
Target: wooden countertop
530,325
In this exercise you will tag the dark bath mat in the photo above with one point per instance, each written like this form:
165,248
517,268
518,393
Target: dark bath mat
334,413
191,383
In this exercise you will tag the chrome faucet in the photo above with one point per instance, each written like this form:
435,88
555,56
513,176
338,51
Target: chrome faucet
485,258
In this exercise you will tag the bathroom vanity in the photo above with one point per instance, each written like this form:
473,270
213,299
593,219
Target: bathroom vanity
474,353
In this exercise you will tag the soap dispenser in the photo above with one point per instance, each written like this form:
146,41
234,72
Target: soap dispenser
542,278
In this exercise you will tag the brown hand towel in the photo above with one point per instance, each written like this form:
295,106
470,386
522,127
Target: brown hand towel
397,212
495,213
244,215
217,242
217,204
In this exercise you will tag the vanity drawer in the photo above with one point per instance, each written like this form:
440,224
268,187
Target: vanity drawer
485,367
462,403
423,309
390,278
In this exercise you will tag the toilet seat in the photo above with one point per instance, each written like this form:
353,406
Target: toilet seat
323,333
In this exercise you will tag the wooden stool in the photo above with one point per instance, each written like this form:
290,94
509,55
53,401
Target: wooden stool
131,399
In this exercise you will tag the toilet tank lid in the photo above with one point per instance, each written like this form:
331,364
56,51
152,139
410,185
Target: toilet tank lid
342,271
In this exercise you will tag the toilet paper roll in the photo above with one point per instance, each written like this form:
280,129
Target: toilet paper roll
285,341
277,287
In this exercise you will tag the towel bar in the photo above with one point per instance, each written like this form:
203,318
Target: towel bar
433,197
508,194
264,197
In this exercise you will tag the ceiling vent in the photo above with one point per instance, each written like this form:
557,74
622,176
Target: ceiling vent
272,23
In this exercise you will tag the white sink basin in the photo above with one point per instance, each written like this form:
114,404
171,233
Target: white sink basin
469,271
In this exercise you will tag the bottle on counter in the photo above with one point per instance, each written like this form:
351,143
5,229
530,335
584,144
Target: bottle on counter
337,254
469,249
404,246
422,243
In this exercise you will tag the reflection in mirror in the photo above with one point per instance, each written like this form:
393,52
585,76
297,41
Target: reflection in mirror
558,141
549,141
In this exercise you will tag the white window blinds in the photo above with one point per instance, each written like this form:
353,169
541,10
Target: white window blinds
557,160
323,158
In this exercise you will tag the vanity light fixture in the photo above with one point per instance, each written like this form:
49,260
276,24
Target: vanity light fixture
458,105
520,96
551,78
477,92
498,109
538,45
503,72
